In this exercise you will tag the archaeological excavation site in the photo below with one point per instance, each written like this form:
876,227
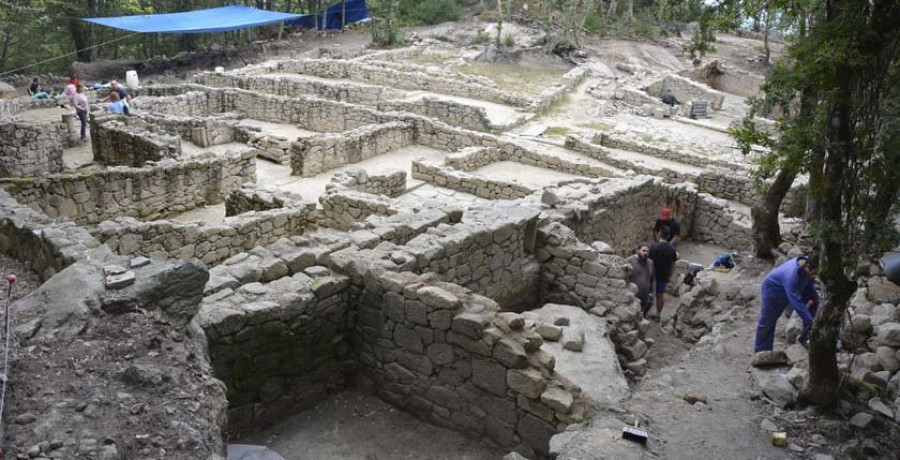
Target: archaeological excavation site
318,248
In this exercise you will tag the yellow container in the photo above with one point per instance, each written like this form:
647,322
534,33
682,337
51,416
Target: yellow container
779,439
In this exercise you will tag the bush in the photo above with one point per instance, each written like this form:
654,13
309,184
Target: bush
431,11
480,37
509,40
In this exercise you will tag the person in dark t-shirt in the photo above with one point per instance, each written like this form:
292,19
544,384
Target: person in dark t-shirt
667,220
663,255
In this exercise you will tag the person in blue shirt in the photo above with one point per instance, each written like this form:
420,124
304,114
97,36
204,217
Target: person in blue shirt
792,284
116,105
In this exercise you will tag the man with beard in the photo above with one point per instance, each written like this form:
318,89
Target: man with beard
642,276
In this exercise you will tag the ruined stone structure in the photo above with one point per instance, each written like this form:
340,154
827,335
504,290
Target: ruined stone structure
351,235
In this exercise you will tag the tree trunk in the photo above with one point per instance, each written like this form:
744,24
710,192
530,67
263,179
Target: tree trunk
824,378
95,50
766,229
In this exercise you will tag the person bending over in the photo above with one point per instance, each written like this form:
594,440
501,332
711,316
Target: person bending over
791,283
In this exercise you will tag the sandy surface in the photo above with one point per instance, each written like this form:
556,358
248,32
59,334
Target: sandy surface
287,130
356,426
78,155
727,427
527,175
189,149
210,214
428,195
48,114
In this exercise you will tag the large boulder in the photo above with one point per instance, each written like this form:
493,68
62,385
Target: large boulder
775,385
67,304
887,335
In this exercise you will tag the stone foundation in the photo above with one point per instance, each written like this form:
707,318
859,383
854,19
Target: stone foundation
388,183
130,141
150,192
46,245
315,155
686,90
31,149
209,243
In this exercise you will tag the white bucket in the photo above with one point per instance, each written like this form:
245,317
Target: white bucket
220,70
131,79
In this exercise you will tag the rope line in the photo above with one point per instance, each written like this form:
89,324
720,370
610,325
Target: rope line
5,359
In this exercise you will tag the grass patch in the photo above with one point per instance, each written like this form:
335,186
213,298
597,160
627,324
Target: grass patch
598,126
511,77
558,131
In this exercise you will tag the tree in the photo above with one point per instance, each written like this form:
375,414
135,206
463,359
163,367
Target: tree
859,61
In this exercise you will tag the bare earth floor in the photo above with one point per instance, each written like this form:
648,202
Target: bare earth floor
527,175
356,426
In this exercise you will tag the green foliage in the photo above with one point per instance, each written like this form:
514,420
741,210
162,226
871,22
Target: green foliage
509,40
429,11
480,37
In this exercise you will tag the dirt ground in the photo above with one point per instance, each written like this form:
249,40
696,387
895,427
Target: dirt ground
354,425
717,370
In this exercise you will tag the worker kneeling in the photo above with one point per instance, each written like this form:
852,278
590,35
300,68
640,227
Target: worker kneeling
791,283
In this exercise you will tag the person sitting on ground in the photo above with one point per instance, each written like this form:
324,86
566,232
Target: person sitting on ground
669,98
34,87
667,220
116,105
81,110
642,276
114,86
663,255
790,284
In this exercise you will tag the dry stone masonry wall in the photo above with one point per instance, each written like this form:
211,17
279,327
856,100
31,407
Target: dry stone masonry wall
211,243
318,154
47,245
163,188
388,183
31,149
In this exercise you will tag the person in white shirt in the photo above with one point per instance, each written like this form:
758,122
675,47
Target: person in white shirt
82,107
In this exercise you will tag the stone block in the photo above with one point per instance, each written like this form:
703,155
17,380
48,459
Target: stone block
438,298
510,353
557,399
528,382
470,324
489,376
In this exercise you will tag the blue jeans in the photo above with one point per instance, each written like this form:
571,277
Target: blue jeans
83,116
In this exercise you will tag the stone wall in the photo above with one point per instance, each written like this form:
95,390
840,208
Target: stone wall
164,188
130,141
722,77
731,184
619,212
475,184
618,141
450,112
353,93
211,243
557,92
343,209
717,222
46,245
577,274
11,107
388,183
250,197
686,90
385,76
280,347
449,357
315,155
635,96
31,149
489,252
472,158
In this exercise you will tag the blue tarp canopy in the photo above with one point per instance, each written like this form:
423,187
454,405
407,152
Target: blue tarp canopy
197,22
333,17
